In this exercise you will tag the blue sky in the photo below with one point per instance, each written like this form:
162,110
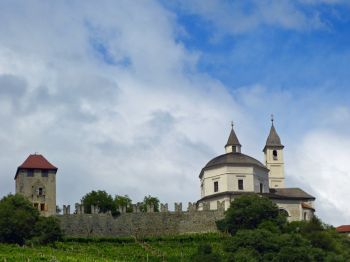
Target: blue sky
135,97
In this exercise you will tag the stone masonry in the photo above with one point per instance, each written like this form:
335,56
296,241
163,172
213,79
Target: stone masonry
140,224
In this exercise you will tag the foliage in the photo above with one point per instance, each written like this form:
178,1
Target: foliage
47,230
20,223
244,255
205,254
123,202
248,212
99,198
245,246
149,200
17,217
167,248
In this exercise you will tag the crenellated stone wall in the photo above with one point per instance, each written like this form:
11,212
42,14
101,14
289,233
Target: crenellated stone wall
140,224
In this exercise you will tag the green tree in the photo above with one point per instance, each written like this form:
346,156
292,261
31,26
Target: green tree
17,219
248,212
47,230
99,198
149,200
123,201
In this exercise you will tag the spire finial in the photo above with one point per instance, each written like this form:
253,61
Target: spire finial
272,118
232,124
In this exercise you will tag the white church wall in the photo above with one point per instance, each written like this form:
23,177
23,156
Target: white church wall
227,178
293,207
261,176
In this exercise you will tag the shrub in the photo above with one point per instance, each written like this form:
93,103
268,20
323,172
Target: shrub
17,219
205,254
248,212
47,230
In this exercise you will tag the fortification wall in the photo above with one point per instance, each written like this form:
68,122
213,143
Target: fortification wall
140,224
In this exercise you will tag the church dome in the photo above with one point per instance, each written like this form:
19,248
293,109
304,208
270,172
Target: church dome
232,159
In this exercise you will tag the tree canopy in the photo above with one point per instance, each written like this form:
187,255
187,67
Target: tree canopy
17,217
123,202
20,222
260,233
99,198
149,201
248,212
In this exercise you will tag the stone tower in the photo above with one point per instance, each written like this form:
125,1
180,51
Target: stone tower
273,151
36,180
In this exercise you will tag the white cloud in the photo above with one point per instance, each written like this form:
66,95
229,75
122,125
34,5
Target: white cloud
136,128
321,162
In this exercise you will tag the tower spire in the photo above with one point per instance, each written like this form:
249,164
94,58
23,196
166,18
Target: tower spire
232,144
273,140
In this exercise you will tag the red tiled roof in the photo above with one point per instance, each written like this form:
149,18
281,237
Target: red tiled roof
36,162
343,229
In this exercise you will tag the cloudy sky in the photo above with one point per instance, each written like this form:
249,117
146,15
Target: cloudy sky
135,97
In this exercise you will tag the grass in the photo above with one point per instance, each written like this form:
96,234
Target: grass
174,248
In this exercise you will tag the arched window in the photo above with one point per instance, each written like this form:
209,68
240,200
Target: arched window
274,153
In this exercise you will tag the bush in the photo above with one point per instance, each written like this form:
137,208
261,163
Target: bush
17,219
47,230
205,254
248,212
20,223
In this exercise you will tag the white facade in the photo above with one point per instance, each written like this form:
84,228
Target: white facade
232,174
275,163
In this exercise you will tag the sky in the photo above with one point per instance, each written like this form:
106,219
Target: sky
135,97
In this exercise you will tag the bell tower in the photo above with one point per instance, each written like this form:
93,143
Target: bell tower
273,152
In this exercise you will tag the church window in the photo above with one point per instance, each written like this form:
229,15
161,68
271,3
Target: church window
274,153
240,184
261,187
216,186
234,149
42,207
30,173
44,173
305,215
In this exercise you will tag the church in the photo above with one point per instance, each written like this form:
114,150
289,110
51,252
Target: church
232,174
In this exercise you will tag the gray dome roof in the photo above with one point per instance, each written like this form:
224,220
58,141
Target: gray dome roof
236,159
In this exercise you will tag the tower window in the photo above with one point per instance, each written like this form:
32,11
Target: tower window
274,153
261,187
240,184
216,186
44,173
42,207
30,173
234,150
40,191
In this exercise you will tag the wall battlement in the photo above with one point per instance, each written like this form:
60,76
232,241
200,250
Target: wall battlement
138,223
191,207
